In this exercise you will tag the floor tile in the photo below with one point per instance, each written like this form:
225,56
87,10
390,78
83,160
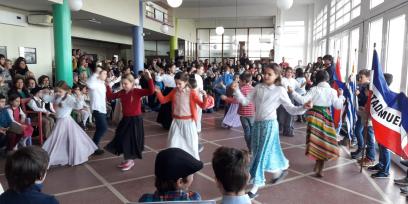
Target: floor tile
133,190
99,195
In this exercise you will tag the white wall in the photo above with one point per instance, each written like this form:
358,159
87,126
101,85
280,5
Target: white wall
225,12
37,37
187,29
123,10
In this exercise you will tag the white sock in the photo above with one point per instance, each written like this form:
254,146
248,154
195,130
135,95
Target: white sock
254,189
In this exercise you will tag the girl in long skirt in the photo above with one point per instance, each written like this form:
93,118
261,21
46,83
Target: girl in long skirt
67,143
164,117
267,154
321,141
231,118
129,135
183,131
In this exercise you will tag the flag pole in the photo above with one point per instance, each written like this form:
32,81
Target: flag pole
354,102
366,122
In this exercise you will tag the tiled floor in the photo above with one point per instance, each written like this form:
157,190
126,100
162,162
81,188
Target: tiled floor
99,181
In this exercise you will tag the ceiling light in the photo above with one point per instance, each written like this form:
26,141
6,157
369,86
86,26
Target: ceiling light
284,4
219,30
164,28
75,5
175,3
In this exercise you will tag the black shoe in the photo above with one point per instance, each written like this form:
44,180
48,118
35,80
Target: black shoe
404,190
98,152
280,178
404,162
374,168
401,182
251,195
380,175
357,154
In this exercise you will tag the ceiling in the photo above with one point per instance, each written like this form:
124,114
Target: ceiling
226,3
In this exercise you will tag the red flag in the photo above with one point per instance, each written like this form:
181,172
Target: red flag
337,113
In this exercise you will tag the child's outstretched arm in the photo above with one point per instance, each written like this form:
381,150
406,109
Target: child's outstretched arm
240,97
164,99
288,105
150,90
197,100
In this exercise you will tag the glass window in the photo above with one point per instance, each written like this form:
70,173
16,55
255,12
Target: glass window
230,50
242,35
229,35
374,3
203,36
214,38
342,12
215,50
162,48
203,50
344,56
254,44
395,50
354,48
374,36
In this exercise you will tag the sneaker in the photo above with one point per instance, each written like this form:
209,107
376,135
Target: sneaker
98,152
122,164
374,168
357,154
404,190
128,165
200,147
380,175
354,143
280,178
366,162
401,182
252,195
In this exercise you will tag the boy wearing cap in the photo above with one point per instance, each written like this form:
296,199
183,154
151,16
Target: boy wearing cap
37,104
174,169
230,166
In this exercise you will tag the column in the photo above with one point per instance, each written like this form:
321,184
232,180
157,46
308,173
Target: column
62,42
138,42
174,42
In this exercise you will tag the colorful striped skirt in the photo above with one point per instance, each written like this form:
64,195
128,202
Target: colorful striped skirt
321,140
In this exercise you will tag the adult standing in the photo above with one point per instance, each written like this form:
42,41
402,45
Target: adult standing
97,93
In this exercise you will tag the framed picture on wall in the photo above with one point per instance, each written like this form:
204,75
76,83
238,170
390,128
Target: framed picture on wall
29,53
3,50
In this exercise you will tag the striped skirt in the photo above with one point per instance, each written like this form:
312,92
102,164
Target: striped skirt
321,140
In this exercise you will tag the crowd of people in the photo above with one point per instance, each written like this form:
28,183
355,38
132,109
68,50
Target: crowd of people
262,96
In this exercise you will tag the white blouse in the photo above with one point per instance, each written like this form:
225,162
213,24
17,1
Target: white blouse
66,107
97,93
267,99
167,79
321,95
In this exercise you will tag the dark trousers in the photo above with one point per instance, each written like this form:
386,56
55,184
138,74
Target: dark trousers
101,124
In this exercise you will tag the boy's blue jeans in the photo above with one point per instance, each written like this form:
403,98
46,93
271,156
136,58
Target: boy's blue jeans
384,160
359,131
247,124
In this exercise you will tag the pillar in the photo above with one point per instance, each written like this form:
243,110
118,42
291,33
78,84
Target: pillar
138,42
174,41
62,42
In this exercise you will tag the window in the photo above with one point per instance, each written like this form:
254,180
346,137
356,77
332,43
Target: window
292,41
374,36
374,3
320,24
395,50
354,48
211,46
342,12
344,56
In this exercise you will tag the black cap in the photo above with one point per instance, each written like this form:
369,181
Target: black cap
36,90
175,163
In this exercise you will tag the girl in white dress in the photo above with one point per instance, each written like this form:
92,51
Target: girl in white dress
68,143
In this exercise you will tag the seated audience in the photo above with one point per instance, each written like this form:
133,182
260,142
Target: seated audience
25,171
174,169
230,166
